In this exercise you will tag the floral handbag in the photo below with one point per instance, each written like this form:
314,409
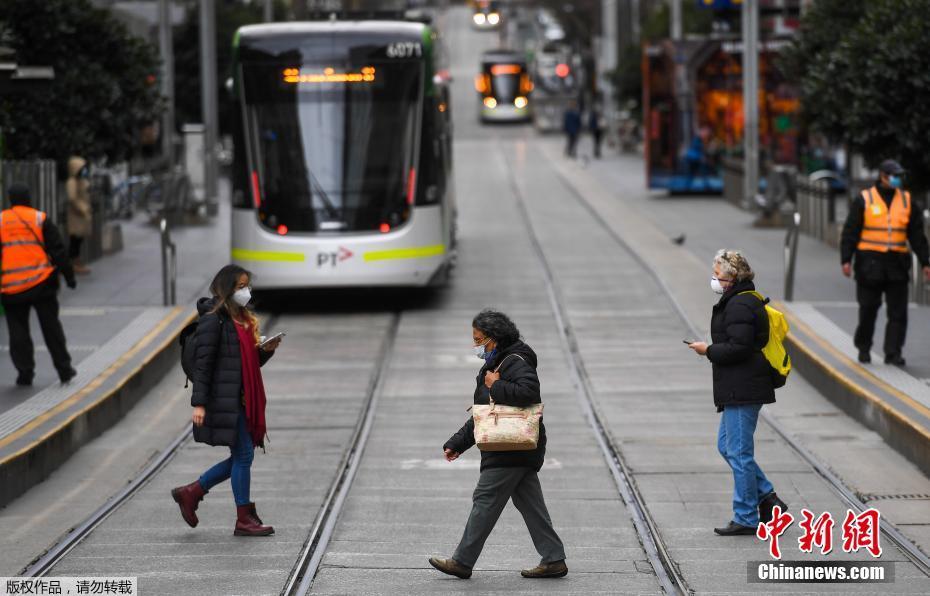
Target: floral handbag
506,428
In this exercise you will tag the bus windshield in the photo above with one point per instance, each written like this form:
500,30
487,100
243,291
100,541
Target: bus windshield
333,144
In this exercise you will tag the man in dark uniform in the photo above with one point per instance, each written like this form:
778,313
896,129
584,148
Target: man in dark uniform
32,254
882,222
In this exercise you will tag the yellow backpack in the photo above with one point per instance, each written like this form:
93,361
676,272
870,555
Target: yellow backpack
774,351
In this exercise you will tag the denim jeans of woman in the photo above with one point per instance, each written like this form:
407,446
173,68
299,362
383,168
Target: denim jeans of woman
735,443
237,467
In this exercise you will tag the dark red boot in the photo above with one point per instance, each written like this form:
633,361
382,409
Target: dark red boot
254,513
246,525
187,498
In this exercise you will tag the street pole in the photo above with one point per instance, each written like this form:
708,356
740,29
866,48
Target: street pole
609,54
208,99
268,13
634,21
750,22
167,79
682,82
676,20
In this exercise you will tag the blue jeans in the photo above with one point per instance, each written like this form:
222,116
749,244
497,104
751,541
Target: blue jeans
237,467
734,441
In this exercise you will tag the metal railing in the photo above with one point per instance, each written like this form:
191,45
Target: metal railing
920,287
40,175
791,254
169,265
816,202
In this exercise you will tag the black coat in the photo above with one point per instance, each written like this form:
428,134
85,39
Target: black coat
739,329
518,386
218,375
874,267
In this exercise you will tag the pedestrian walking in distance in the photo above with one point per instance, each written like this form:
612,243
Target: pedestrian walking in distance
228,396
597,125
32,255
508,375
882,221
571,124
80,216
743,383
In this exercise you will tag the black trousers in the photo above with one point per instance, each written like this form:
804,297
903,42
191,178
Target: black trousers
597,136
21,349
74,246
570,144
869,297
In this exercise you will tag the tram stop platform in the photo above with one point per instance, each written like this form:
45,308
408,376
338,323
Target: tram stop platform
121,340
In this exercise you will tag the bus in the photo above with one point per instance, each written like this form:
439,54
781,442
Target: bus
503,87
342,164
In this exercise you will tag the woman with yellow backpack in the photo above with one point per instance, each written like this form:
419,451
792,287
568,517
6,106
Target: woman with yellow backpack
749,362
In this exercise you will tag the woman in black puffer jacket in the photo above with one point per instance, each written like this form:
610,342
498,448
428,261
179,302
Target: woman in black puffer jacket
509,376
743,383
228,396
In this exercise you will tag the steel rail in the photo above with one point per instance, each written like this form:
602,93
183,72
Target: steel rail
304,572
918,557
667,573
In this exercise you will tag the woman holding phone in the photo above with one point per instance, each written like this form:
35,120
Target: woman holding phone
228,396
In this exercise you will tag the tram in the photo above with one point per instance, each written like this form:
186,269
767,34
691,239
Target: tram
558,78
504,87
342,165
487,15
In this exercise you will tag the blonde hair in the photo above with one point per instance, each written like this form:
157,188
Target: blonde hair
734,264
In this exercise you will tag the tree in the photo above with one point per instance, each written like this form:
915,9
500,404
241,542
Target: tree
864,73
105,85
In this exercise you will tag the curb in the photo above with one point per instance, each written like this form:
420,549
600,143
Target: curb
32,457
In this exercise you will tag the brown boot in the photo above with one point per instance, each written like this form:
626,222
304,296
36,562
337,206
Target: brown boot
246,525
554,569
451,567
187,498
254,513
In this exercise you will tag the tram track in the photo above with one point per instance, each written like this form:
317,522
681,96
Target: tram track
665,568
839,488
301,577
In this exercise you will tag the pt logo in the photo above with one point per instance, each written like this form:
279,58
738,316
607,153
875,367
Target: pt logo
333,258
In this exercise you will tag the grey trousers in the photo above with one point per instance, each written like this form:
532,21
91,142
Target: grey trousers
495,487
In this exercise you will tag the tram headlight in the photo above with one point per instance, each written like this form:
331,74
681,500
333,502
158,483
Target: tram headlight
494,18
490,103
520,102
479,18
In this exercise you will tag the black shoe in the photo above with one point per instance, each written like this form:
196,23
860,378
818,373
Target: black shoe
451,567
24,379
865,356
67,375
767,504
735,529
895,359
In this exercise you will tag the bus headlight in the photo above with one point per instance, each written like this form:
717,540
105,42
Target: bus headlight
494,18
520,102
490,103
479,18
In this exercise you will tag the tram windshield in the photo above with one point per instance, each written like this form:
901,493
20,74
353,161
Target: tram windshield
333,144
505,80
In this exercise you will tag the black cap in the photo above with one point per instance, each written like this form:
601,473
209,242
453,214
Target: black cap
891,167
19,194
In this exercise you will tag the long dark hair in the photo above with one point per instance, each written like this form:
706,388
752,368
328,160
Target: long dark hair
223,287
497,326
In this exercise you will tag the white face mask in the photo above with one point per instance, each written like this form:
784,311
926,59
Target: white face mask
716,287
242,296
479,350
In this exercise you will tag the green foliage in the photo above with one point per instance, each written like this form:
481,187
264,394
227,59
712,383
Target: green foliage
864,70
105,84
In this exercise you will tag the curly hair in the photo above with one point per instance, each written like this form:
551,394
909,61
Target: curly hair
497,326
734,264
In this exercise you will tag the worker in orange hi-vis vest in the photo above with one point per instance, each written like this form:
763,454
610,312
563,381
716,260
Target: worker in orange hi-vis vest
883,227
32,255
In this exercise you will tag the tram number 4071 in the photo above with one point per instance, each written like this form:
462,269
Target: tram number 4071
404,49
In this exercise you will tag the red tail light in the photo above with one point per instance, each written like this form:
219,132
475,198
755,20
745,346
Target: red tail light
282,229
411,185
385,228
256,191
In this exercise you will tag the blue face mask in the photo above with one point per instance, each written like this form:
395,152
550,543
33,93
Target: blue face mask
894,181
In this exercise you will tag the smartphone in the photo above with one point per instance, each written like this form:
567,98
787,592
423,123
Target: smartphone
270,339
688,341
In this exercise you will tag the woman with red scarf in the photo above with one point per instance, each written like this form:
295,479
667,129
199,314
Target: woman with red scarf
228,396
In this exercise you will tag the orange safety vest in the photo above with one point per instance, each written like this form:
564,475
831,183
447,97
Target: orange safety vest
25,262
884,227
